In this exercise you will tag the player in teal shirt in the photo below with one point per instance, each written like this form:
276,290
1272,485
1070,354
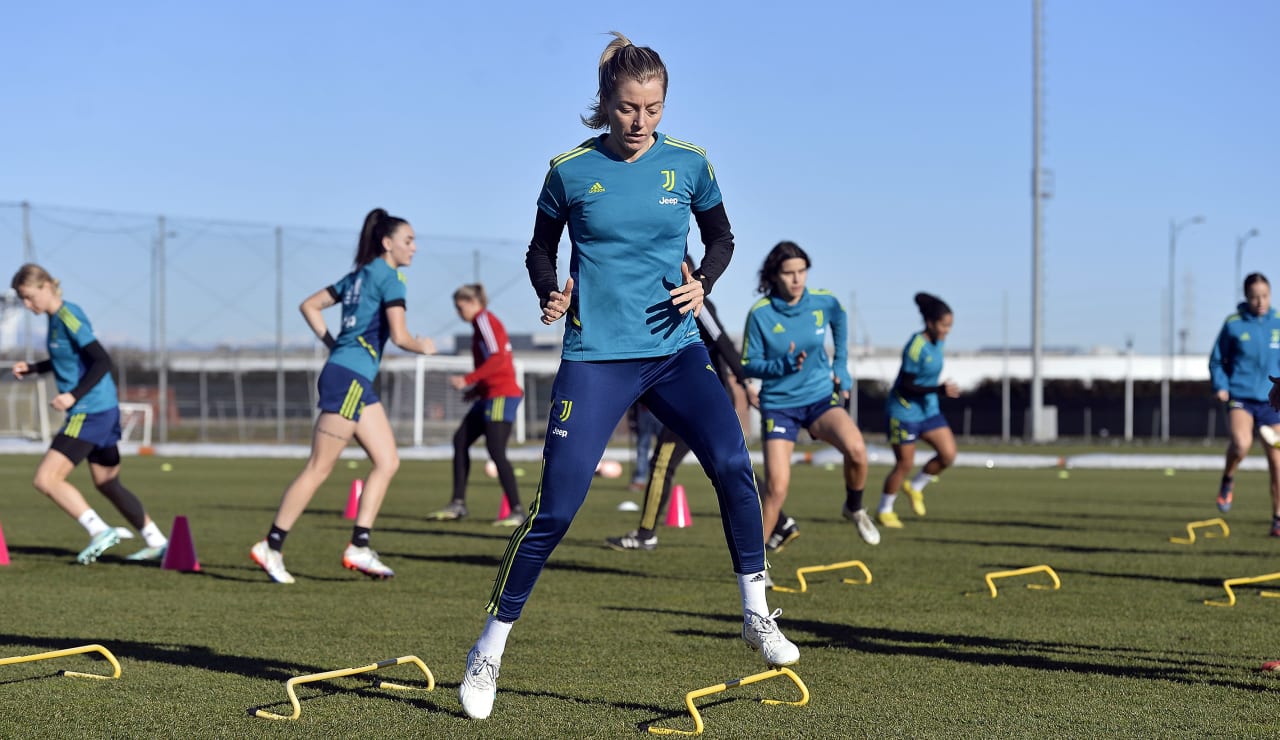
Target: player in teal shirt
914,413
1246,353
784,344
373,311
629,304
87,393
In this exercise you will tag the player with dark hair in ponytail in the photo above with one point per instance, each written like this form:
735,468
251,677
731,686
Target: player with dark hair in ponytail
373,311
914,413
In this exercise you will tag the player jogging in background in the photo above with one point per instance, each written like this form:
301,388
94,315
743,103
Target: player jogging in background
1246,353
497,401
671,450
914,413
784,344
373,311
87,393
629,305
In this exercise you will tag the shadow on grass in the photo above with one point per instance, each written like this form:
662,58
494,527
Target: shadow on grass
1193,669
1207,582
1085,549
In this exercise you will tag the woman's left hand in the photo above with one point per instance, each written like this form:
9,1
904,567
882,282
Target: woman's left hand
458,382
688,297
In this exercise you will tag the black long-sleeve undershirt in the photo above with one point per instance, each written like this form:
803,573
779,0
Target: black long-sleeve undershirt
907,387
97,365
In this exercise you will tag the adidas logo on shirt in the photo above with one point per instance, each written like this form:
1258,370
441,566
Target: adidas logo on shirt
777,329
597,188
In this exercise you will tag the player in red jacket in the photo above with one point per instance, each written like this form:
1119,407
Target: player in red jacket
497,401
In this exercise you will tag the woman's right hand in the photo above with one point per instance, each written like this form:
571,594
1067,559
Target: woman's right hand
1225,396
20,369
796,360
426,346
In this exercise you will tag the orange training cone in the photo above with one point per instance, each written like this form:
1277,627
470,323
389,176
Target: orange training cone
353,500
4,549
504,508
181,553
678,513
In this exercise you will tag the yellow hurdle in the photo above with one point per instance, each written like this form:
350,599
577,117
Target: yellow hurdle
993,575
699,693
1193,526
71,651
822,568
293,696
1231,595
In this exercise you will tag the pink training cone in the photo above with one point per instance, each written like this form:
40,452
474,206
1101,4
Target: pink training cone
4,549
678,512
181,553
353,500
504,508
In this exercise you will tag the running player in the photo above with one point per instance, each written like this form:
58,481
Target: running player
629,305
1247,351
373,310
87,393
784,345
913,411
497,401
671,450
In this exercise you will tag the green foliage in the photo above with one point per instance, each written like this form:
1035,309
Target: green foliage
612,641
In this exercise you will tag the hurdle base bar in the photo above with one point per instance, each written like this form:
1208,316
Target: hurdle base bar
804,586
993,575
1193,526
115,664
698,725
342,672
1231,595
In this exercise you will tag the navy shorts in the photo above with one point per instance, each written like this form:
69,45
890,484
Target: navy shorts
1261,411
502,408
787,423
907,432
344,392
92,435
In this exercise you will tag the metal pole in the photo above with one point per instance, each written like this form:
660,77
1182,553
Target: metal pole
1037,253
1128,390
1167,380
163,383
1240,240
28,255
279,335
1004,380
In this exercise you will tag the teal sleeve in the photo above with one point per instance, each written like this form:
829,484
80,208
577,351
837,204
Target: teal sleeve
706,193
840,338
552,199
754,364
1218,360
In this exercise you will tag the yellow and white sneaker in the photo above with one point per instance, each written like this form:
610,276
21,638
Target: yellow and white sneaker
917,497
271,561
889,520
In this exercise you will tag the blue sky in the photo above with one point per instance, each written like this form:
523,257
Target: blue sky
891,140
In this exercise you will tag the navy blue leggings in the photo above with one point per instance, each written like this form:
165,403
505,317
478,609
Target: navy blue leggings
588,401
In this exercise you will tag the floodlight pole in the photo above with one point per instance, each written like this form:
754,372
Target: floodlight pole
1038,194
1174,228
1240,240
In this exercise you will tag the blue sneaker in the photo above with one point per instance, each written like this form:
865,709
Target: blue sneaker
1224,497
99,544
148,553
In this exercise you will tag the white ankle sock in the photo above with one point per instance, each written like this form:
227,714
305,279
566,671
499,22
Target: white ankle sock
752,588
886,502
493,638
92,523
152,534
921,480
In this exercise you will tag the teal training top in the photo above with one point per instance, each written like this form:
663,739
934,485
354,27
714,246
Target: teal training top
69,333
923,359
366,294
1247,351
629,227
772,326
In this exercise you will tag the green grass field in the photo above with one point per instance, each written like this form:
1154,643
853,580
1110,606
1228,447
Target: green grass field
611,642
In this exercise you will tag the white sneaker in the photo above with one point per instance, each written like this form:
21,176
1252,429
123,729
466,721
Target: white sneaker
762,634
271,561
365,560
866,528
479,684
1269,435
